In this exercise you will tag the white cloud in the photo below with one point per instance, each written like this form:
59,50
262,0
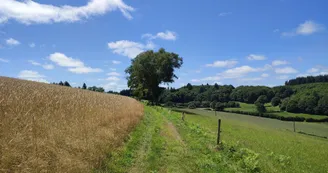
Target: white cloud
227,63
239,71
279,62
283,77
114,86
83,69
285,70
48,66
113,69
265,75
75,65
313,70
32,75
195,80
223,14
64,61
116,62
212,78
129,48
45,66
236,72
167,35
252,57
12,42
30,12
113,78
307,28
32,45
113,74
4,60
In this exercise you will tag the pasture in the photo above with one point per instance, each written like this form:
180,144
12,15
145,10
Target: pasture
279,148
273,110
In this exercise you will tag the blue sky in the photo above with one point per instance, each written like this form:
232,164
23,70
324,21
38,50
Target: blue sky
250,42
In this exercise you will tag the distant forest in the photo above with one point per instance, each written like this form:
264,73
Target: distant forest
300,95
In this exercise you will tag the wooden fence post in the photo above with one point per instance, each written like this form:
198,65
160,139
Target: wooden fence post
219,131
215,112
294,127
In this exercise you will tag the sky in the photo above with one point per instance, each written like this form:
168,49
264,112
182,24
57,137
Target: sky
249,42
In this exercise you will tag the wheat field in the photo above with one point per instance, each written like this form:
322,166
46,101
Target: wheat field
50,128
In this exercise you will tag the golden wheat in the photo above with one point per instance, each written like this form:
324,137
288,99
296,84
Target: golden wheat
50,128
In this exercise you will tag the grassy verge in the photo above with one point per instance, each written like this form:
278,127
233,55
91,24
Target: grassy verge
279,150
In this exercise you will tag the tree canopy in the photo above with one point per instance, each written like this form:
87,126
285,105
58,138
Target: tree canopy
150,69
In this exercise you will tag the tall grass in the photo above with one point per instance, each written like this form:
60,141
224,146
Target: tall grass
50,128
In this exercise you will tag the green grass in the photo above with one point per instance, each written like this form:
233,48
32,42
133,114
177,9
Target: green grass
280,149
274,110
162,142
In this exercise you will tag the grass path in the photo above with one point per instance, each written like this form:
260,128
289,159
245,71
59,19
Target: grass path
162,142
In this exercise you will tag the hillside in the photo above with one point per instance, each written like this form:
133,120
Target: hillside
53,128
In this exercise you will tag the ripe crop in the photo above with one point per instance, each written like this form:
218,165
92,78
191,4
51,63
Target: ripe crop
51,128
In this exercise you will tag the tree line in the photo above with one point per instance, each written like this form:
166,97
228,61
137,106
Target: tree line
311,98
307,80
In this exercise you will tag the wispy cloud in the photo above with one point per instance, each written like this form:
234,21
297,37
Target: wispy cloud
12,42
45,66
129,48
307,28
74,65
32,75
279,62
226,63
31,12
167,35
286,70
116,62
4,60
223,14
253,57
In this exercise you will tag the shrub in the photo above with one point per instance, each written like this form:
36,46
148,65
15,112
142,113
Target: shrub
219,106
260,107
262,99
212,105
275,101
206,104
191,105
169,104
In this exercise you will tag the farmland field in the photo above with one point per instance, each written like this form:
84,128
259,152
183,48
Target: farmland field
273,110
53,128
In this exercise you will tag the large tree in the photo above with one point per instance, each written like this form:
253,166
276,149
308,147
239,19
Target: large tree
149,69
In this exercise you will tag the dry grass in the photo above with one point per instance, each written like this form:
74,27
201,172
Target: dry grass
49,128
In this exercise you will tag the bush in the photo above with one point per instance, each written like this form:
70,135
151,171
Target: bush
275,101
232,104
180,105
192,105
260,107
219,106
284,104
262,99
206,104
169,104
292,106
212,105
